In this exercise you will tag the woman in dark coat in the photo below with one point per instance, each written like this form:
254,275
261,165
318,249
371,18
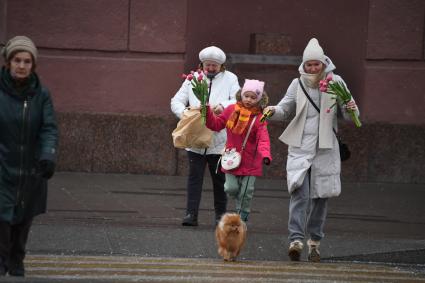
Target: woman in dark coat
28,141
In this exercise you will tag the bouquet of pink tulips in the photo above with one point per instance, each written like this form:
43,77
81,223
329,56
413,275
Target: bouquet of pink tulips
340,92
200,89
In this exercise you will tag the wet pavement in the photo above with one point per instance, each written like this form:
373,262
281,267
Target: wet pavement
126,228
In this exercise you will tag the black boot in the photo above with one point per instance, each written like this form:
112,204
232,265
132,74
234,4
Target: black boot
191,219
3,269
17,252
4,246
218,217
17,269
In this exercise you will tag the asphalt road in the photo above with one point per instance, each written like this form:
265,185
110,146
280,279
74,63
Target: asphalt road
371,229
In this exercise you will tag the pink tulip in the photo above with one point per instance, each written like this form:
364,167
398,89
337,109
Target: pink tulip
199,71
323,89
200,77
190,77
329,77
184,76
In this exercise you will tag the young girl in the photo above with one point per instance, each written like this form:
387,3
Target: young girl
237,119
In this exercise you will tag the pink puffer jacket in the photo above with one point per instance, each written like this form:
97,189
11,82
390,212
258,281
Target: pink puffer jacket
257,147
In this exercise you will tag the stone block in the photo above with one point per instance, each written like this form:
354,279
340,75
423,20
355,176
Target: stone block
134,144
394,93
380,152
270,43
119,143
158,26
76,142
77,24
396,154
117,85
142,144
395,29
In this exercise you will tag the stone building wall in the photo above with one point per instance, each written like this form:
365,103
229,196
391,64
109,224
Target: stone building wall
113,65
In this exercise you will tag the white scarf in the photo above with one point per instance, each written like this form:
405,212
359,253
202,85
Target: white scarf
312,80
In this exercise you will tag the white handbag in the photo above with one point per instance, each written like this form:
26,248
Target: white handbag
231,158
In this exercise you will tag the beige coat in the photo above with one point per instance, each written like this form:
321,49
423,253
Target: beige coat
312,143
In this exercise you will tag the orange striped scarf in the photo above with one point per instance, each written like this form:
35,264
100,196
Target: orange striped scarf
239,119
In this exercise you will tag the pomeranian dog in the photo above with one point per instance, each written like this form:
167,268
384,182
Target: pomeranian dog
230,235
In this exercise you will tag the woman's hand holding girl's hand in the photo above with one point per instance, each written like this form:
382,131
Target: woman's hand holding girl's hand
270,110
267,113
352,106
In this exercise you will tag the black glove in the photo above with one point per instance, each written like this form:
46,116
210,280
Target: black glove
46,168
266,161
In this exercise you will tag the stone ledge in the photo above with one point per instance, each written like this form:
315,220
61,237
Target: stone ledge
116,143
142,144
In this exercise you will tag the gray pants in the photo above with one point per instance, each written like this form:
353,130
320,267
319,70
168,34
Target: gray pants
240,188
306,214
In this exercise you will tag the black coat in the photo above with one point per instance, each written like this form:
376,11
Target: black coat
28,134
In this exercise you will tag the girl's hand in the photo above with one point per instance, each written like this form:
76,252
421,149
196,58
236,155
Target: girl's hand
218,109
351,106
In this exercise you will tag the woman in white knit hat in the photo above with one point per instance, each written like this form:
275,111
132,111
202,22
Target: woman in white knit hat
313,164
224,87
28,144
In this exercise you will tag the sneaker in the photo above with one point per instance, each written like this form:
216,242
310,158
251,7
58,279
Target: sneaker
313,250
190,220
295,250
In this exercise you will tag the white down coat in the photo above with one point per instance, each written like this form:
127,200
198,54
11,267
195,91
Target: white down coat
224,87
311,140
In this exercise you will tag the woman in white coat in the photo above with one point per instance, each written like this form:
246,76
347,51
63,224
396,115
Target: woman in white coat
313,164
223,93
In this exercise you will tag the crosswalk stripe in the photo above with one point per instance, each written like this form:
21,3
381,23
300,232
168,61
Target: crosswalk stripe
207,270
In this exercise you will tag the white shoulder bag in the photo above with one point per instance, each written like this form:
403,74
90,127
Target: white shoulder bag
231,158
